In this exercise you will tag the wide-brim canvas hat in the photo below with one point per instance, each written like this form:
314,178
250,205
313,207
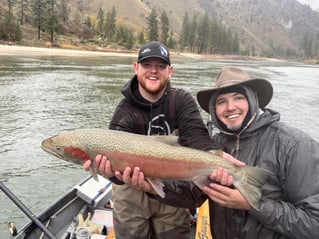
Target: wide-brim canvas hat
233,76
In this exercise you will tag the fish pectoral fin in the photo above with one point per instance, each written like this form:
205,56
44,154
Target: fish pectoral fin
158,186
201,180
93,171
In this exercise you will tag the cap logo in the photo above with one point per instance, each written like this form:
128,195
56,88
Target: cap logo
145,51
164,52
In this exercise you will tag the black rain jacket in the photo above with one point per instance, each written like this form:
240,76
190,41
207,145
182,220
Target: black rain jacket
136,115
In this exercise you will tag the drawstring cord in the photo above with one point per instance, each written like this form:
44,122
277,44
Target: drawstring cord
235,150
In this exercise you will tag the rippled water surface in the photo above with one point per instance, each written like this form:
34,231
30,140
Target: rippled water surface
42,96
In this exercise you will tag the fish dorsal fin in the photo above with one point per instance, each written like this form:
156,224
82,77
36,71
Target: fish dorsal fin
167,139
175,132
217,152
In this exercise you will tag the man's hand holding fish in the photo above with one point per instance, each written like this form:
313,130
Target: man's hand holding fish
219,192
135,179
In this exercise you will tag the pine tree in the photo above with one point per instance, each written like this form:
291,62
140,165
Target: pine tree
164,27
235,44
171,41
307,45
38,10
152,26
22,11
185,32
193,34
203,34
9,28
110,26
51,19
141,38
100,22
64,12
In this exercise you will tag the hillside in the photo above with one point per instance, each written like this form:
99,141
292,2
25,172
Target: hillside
261,25
135,16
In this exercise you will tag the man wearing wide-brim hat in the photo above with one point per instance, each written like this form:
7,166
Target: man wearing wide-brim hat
257,93
253,133
232,76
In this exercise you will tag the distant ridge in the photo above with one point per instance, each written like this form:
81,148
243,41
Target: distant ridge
260,24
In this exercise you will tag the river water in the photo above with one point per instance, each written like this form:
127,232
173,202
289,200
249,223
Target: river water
42,96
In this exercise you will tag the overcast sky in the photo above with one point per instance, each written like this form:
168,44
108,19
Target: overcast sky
314,4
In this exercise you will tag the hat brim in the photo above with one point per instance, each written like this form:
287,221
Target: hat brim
154,56
262,87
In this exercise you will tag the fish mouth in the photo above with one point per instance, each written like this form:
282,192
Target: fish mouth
45,147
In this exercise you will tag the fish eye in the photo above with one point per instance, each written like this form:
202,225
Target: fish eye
57,147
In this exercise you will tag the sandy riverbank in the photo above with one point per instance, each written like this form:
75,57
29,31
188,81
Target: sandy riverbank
10,50
13,50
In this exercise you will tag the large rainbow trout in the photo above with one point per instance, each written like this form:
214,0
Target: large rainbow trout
158,157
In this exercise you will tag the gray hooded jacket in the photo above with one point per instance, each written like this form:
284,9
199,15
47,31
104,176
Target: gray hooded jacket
290,202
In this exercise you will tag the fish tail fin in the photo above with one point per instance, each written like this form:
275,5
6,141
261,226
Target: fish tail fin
248,180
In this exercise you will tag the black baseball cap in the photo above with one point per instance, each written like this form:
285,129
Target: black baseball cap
154,49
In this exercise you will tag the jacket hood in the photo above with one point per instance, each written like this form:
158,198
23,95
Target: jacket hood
255,119
252,114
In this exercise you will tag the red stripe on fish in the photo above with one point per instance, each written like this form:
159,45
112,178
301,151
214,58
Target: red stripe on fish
77,153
